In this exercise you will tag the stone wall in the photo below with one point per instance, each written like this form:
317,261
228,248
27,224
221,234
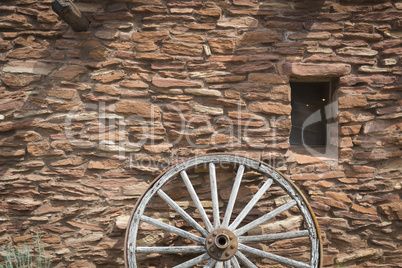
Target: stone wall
88,119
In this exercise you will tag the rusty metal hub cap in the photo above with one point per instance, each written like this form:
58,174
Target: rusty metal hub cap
222,244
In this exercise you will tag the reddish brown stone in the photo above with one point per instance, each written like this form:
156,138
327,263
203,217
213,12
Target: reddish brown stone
372,79
329,202
393,211
20,80
352,101
316,69
221,46
350,130
28,53
169,82
258,37
178,48
364,210
150,36
141,109
383,16
268,78
212,12
109,77
270,108
248,3
252,67
7,126
69,72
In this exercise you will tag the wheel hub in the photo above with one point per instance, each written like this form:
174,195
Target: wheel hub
221,244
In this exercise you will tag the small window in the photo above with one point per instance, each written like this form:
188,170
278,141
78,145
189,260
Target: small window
309,121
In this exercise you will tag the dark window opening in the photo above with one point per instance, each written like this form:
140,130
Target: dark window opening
308,103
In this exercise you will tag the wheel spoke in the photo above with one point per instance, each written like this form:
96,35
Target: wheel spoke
233,195
173,229
226,264
267,237
184,214
265,218
211,263
273,257
235,262
219,264
214,194
186,249
250,205
245,261
194,261
196,201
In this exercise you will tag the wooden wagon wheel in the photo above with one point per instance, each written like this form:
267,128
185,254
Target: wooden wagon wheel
222,210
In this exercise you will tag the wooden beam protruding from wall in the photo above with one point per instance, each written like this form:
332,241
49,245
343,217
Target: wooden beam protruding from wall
69,13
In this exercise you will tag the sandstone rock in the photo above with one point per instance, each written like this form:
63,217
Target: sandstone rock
105,164
206,109
150,36
252,67
249,3
28,53
141,109
329,202
29,66
268,78
212,12
381,126
270,108
69,72
179,48
359,253
240,22
356,51
258,37
169,82
379,16
371,80
310,35
350,130
393,211
20,80
7,126
364,210
221,46
352,101
326,26
316,69
203,92
363,36
108,77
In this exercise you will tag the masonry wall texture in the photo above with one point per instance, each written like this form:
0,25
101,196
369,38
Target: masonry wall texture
72,102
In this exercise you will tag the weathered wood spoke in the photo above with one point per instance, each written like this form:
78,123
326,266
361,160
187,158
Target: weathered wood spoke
173,229
171,250
233,195
273,257
234,262
265,218
250,204
196,200
245,261
194,261
184,214
214,195
211,263
268,237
